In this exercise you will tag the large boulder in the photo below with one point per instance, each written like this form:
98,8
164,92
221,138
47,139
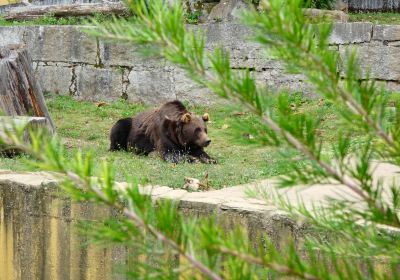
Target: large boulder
330,15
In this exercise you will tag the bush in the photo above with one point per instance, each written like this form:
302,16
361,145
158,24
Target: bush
320,4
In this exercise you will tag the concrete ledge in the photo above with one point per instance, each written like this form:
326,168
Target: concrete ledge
37,225
38,239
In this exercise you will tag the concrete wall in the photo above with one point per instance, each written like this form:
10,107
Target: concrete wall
374,5
39,238
68,61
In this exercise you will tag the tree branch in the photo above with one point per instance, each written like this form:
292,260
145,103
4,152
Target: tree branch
140,223
275,266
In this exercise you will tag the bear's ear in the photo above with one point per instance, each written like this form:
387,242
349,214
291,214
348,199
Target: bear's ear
206,117
185,118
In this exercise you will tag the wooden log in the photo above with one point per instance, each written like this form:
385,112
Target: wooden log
20,93
33,12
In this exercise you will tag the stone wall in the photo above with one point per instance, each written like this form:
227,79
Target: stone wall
39,237
374,5
68,61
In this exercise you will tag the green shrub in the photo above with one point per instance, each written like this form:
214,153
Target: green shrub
319,4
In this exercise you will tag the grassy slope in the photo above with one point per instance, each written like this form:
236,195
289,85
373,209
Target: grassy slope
51,20
377,18
83,125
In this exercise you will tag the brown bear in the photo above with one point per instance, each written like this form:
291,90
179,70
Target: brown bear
177,134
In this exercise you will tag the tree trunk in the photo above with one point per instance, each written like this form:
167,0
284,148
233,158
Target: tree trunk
20,93
33,12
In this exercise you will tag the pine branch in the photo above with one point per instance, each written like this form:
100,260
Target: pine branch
207,79
142,224
80,182
286,270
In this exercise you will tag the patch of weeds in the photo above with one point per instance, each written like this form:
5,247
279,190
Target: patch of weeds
376,18
52,20
319,4
193,17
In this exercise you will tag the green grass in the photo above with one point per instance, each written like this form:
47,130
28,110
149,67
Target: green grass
191,18
51,20
377,18
84,126
241,159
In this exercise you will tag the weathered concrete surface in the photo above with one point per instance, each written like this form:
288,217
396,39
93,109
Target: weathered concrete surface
49,74
38,238
151,86
347,33
69,61
97,84
227,10
373,5
383,61
336,15
386,33
54,44
11,35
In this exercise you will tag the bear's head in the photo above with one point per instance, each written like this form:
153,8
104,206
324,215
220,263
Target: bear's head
191,130
194,130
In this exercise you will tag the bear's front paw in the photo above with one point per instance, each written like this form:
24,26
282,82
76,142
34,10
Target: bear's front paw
192,159
209,160
172,158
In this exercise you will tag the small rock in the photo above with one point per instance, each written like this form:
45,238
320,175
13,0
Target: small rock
248,136
227,10
225,126
341,6
192,184
336,16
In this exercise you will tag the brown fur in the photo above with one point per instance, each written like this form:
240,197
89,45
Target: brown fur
171,129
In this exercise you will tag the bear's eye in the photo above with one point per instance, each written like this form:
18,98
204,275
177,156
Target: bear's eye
197,130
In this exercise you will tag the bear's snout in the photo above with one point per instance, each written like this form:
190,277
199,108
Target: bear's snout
204,140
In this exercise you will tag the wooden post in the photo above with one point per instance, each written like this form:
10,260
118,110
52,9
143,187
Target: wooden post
20,93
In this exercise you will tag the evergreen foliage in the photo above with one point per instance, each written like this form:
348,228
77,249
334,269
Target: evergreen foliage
320,4
349,242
